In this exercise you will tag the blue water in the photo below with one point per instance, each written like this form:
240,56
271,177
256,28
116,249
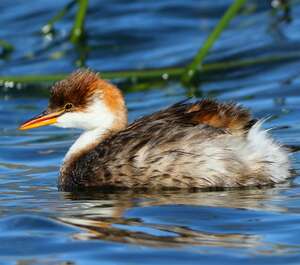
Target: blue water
39,225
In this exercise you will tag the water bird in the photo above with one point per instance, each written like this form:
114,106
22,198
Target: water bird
202,144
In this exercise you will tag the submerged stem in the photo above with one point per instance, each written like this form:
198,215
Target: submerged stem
161,73
7,48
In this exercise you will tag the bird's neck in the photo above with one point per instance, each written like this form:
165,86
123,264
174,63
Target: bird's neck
89,139
85,142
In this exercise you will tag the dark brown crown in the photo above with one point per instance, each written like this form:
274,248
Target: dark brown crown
78,89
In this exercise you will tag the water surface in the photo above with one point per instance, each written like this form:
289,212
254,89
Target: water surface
40,225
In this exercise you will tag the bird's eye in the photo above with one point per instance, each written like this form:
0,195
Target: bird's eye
68,106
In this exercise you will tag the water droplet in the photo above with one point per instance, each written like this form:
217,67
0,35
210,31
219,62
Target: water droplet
165,76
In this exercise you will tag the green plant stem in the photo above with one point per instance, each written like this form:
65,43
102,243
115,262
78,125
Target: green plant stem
49,25
77,32
196,64
161,73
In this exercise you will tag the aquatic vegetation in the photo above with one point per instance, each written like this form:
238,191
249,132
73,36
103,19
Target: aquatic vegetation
190,74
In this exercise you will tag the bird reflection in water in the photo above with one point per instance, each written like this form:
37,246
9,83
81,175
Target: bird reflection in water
109,217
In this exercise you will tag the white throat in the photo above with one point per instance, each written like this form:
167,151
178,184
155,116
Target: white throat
86,140
96,121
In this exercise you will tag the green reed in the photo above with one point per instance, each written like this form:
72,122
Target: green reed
195,70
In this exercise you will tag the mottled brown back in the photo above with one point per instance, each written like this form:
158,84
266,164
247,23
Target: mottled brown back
227,116
230,116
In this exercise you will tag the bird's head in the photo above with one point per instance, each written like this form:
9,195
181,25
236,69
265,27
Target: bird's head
84,101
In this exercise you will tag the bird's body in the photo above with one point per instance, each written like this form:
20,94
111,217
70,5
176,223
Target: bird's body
204,144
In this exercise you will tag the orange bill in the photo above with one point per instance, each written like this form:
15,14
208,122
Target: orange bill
41,120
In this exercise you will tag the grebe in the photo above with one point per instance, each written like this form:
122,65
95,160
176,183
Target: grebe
204,144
